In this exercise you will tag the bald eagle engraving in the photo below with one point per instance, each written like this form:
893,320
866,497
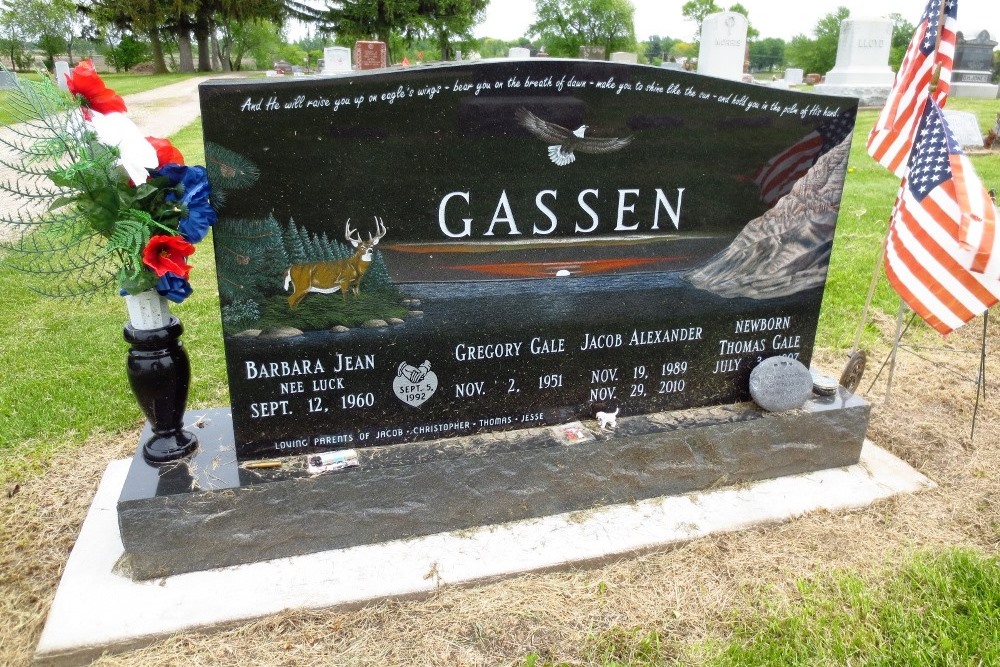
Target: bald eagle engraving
565,142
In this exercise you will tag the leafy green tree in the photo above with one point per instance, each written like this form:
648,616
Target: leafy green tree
819,54
654,49
49,23
697,10
152,19
13,40
400,21
752,32
563,26
447,19
902,33
126,53
257,38
767,54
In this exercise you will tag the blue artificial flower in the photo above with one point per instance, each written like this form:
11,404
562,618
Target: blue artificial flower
173,172
198,213
174,287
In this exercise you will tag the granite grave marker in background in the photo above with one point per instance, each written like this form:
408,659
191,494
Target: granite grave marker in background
862,68
723,45
370,55
336,59
973,73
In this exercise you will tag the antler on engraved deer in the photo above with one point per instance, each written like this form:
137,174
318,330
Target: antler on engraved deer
339,275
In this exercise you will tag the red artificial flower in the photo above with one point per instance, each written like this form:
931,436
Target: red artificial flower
166,152
84,80
165,254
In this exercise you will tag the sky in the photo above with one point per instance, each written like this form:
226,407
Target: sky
509,19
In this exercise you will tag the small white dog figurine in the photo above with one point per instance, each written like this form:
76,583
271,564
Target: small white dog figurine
607,420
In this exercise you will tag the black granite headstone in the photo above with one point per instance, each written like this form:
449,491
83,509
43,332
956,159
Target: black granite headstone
975,55
413,254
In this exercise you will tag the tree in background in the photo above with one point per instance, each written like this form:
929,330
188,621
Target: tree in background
13,40
818,55
151,19
767,54
352,20
752,32
51,24
256,38
697,10
447,19
123,52
659,49
654,49
399,22
563,26
902,33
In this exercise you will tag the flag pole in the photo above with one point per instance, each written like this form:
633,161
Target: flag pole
981,378
937,48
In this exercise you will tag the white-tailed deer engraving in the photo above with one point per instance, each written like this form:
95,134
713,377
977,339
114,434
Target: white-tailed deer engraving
339,275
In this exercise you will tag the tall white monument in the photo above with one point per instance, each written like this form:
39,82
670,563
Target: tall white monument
862,68
723,45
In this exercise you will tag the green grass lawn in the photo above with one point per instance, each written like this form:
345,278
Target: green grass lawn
938,609
123,84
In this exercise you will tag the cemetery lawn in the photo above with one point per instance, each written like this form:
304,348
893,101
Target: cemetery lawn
123,84
912,580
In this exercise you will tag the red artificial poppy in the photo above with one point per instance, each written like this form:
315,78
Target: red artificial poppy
165,254
84,80
166,152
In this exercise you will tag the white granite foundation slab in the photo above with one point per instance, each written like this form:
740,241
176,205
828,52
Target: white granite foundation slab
96,610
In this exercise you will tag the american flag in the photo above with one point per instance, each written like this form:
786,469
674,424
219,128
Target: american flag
925,258
891,139
777,176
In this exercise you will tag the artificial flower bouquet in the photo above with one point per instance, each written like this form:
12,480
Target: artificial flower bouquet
99,203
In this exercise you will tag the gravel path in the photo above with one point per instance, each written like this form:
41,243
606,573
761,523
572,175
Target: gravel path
159,113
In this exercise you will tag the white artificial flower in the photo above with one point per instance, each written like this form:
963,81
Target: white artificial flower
136,154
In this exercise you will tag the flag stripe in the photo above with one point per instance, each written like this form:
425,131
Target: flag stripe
891,139
934,236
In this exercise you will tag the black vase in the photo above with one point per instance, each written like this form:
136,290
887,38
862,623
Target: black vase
160,373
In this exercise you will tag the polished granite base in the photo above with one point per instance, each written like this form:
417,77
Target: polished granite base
211,511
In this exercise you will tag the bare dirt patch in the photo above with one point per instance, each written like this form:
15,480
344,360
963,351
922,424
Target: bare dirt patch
686,594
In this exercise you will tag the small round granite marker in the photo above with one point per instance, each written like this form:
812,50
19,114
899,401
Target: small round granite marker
780,383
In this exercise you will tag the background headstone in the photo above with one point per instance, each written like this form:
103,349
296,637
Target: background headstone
670,64
62,69
518,52
794,76
862,68
624,57
973,73
965,126
592,53
336,59
370,55
723,45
